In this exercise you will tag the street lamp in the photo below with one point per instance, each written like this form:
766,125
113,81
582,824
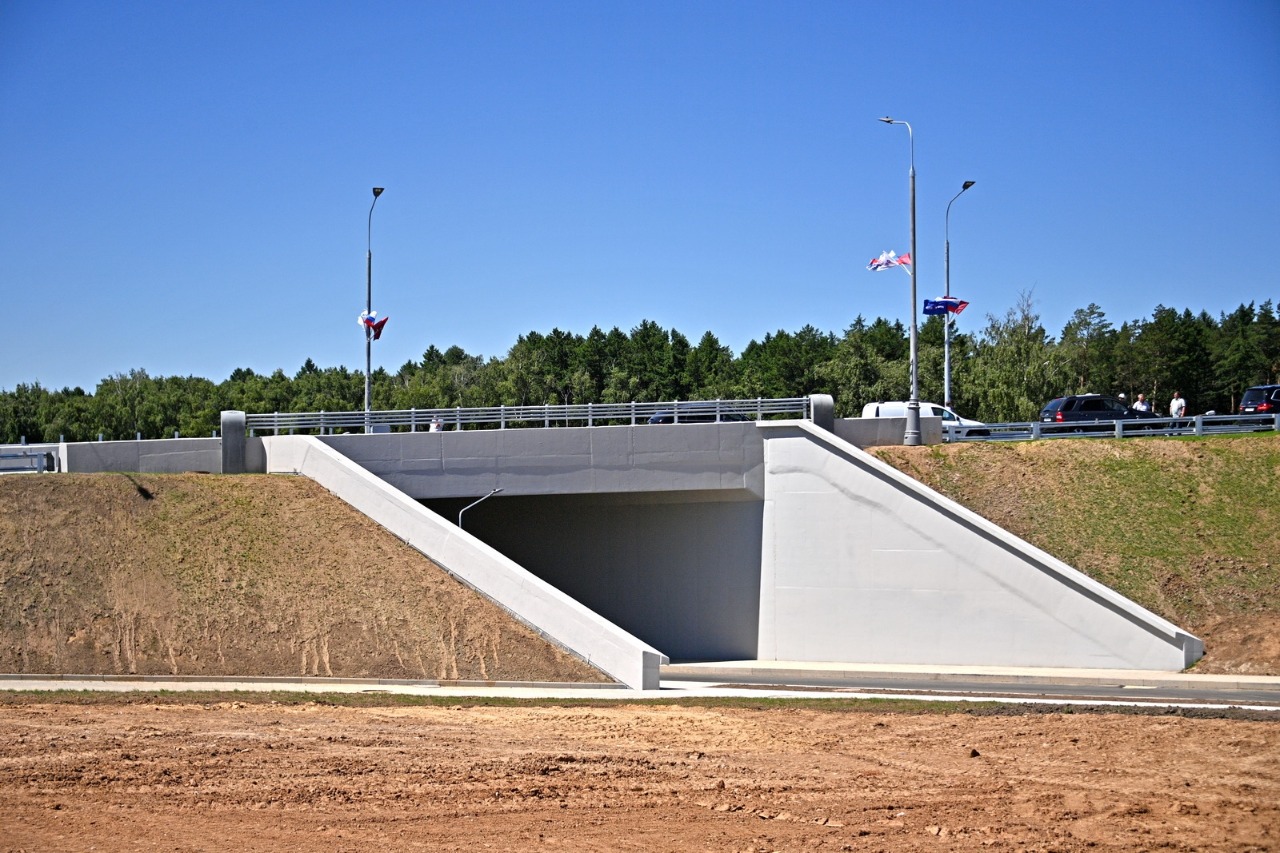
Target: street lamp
470,505
368,309
949,317
911,437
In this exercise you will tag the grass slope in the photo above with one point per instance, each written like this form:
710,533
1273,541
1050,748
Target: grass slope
249,575
1189,528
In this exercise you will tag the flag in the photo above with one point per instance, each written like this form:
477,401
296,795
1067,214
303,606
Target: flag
369,319
889,259
944,305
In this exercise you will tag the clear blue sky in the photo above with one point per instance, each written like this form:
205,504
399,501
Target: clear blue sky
184,187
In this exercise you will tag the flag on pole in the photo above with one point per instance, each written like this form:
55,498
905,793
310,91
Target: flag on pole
369,319
945,305
889,259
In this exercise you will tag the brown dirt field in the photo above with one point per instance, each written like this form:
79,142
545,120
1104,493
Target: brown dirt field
266,777
248,575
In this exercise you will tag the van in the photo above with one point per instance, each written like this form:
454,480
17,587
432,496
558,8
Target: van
898,409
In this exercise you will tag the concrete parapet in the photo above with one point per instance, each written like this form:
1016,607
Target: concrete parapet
561,461
233,442
152,456
530,599
884,432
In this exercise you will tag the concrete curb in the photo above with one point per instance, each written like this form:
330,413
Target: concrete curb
371,683
985,675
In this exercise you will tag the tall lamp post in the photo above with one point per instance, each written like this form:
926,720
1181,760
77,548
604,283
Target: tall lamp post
946,329
911,437
368,308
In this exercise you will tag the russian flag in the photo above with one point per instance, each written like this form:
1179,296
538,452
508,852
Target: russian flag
945,305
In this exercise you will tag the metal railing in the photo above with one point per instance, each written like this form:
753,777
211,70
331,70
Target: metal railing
1197,425
13,460
505,417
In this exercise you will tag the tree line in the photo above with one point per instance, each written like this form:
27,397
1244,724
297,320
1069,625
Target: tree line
1004,372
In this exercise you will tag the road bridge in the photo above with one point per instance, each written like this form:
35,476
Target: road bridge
771,540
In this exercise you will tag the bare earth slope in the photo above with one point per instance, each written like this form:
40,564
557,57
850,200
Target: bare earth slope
250,575
1188,528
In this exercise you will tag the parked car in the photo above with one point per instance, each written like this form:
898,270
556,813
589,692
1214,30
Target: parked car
898,409
1097,410
1260,400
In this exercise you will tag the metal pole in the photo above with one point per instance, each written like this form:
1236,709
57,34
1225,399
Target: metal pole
911,436
368,309
948,317
470,505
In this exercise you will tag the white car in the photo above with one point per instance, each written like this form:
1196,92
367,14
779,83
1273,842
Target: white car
898,409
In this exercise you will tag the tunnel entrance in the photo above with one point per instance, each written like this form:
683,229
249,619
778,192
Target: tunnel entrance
679,571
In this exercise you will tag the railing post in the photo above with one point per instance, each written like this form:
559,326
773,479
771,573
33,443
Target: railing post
1035,430
457,415
1119,429
633,413
413,419
502,416
1199,425
590,421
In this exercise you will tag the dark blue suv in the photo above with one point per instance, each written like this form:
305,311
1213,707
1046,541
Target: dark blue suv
1093,412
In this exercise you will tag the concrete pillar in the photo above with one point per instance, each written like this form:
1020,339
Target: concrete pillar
823,408
233,430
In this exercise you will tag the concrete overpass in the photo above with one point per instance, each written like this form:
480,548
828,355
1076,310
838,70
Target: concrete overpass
769,540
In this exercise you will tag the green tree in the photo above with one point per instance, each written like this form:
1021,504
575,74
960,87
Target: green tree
1016,367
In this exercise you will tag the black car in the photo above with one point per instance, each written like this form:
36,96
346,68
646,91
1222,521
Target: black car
1260,400
1090,409
699,416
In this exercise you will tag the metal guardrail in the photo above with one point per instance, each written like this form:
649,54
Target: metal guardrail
504,417
1197,425
22,461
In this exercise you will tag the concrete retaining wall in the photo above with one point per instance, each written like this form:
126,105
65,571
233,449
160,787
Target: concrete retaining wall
862,563
534,601
152,456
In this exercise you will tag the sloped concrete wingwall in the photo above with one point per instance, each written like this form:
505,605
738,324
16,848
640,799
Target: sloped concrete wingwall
529,598
862,563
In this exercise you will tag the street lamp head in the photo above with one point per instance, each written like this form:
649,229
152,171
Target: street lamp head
887,120
377,191
967,184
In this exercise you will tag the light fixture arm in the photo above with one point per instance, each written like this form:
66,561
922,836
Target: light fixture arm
473,503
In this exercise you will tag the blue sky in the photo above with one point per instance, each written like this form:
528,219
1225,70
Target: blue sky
185,187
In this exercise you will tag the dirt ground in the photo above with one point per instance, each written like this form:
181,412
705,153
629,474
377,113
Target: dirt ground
265,777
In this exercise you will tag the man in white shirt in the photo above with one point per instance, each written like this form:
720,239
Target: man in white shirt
1177,406
1141,404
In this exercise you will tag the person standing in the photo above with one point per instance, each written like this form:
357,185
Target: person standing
1141,404
1177,406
